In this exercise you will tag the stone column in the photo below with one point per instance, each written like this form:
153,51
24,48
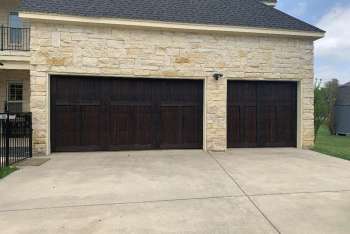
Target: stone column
308,94
308,114
216,102
39,108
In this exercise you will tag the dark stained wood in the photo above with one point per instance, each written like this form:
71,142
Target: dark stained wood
242,108
262,114
93,113
181,114
130,106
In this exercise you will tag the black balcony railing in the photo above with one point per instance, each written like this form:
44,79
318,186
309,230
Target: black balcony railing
14,38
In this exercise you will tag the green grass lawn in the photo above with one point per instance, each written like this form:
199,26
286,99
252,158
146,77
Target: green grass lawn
338,146
6,171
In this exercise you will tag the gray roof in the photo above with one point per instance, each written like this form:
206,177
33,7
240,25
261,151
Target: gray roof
246,13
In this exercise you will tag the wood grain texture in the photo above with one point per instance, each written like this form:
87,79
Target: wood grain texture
93,113
262,114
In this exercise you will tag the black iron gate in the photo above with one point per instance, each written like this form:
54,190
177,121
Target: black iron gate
15,138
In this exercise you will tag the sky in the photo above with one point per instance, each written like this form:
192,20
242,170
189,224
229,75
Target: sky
332,53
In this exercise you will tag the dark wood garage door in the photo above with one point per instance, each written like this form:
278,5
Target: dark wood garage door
262,114
93,113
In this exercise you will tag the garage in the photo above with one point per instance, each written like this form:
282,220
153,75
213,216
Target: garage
105,114
261,114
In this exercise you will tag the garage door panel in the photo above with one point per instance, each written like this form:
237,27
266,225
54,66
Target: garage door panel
242,94
121,127
192,125
181,126
285,122
242,126
130,125
277,114
69,118
267,114
66,92
249,131
234,129
130,90
144,125
173,92
266,125
90,129
171,127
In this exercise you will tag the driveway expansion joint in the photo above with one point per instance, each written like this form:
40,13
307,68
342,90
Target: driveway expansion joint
245,194
120,203
296,193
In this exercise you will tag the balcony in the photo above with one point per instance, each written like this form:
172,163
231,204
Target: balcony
14,39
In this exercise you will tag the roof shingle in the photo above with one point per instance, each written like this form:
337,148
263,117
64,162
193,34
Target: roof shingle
245,13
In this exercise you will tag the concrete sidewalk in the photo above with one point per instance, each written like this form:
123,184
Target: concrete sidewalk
240,191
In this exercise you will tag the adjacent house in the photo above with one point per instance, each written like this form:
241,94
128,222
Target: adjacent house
158,74
342,110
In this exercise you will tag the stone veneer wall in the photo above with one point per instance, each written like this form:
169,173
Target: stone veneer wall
14,75
103,50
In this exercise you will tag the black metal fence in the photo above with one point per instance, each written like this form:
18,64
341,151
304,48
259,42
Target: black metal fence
15,138
14,38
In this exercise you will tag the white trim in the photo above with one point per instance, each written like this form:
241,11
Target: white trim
48,104
300,111
16,58
272,4
8,101
205,103
10,82
10,63
15,66
169,25
263,79
127,76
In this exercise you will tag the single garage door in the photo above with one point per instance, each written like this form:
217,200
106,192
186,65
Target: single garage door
262,114
94,113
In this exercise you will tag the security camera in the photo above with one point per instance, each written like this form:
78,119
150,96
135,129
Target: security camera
217,75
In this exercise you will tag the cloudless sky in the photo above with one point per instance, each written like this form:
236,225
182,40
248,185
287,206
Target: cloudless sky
332,53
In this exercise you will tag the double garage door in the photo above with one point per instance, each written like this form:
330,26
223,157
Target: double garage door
94,113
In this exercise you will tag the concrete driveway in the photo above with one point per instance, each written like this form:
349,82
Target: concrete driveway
240,191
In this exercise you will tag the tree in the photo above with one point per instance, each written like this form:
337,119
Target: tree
321,106
331,91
